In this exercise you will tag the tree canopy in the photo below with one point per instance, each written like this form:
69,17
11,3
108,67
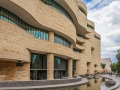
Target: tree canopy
103,65
113,67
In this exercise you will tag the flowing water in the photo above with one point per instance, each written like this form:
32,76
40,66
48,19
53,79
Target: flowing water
93,84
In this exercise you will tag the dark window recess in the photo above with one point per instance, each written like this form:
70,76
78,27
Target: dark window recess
96,37
60,67
38,66
13,19
77,50
89,26
61,40
58,7
80,36
74,65
82,10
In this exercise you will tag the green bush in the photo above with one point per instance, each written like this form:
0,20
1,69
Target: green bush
118,73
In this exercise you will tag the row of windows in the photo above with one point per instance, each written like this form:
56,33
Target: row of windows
60,40
74,65
89,26
37,32
82,10
77,50
38,61
38,67
58,7
80,36
12,18
60,63
97,37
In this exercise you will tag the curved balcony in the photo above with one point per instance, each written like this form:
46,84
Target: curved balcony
40,17
80,47
82,6
96,34
90,26
78,39
16,44
77,16
88,36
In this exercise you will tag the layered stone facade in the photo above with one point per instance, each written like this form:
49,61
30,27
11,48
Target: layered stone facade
16,44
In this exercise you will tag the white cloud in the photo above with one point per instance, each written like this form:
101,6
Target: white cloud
96,3
106,17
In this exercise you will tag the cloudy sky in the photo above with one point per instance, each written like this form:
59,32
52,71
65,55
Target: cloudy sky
106,16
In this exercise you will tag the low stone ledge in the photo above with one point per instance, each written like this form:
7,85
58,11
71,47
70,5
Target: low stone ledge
38,82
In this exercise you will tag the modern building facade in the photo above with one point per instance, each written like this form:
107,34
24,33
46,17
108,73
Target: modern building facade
46,39
108,62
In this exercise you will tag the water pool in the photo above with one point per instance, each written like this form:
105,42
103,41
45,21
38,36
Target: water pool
93,84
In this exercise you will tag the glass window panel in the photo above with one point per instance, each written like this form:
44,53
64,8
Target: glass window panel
58,7
12,18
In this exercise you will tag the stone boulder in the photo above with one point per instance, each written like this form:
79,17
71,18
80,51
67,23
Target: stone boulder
75,76
110,82
90,77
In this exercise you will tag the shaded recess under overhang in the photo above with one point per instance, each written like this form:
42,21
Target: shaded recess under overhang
80,29
28,18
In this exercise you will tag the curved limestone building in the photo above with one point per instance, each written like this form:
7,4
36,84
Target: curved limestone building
46,39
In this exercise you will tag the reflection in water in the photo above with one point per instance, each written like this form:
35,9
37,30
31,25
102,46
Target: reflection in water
93,84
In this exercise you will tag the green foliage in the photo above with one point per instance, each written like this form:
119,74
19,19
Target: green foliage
114,67
118,73
118,54
103,65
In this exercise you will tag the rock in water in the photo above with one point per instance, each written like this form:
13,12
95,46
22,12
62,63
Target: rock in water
110,82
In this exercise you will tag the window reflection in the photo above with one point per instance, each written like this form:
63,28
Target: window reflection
12,18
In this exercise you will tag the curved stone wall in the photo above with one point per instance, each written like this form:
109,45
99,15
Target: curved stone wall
17,44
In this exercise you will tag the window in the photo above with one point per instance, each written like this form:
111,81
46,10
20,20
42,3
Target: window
60,40
82,10
74,65
58,7
77,50
38,66
12,18
96,37
60,63
80,36
89,26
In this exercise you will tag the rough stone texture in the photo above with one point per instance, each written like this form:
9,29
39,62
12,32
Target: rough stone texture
38,82
9,71
110,82
50,66
16,44
70,67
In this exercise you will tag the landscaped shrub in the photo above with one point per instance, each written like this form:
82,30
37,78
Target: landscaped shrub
118,72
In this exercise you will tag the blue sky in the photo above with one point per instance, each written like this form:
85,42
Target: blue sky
106,16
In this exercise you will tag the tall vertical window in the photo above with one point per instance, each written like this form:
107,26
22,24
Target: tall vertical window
12,18
60,40
74,65
60,67
38,66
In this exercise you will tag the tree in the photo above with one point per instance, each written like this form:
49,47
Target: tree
103,65
118,58
118,54
113,67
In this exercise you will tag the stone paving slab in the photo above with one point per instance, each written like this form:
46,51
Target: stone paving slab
83,81
115,78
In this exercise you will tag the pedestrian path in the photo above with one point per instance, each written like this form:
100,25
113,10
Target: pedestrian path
115,78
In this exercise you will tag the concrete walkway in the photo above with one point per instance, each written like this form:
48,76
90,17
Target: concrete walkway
83,81
115,78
